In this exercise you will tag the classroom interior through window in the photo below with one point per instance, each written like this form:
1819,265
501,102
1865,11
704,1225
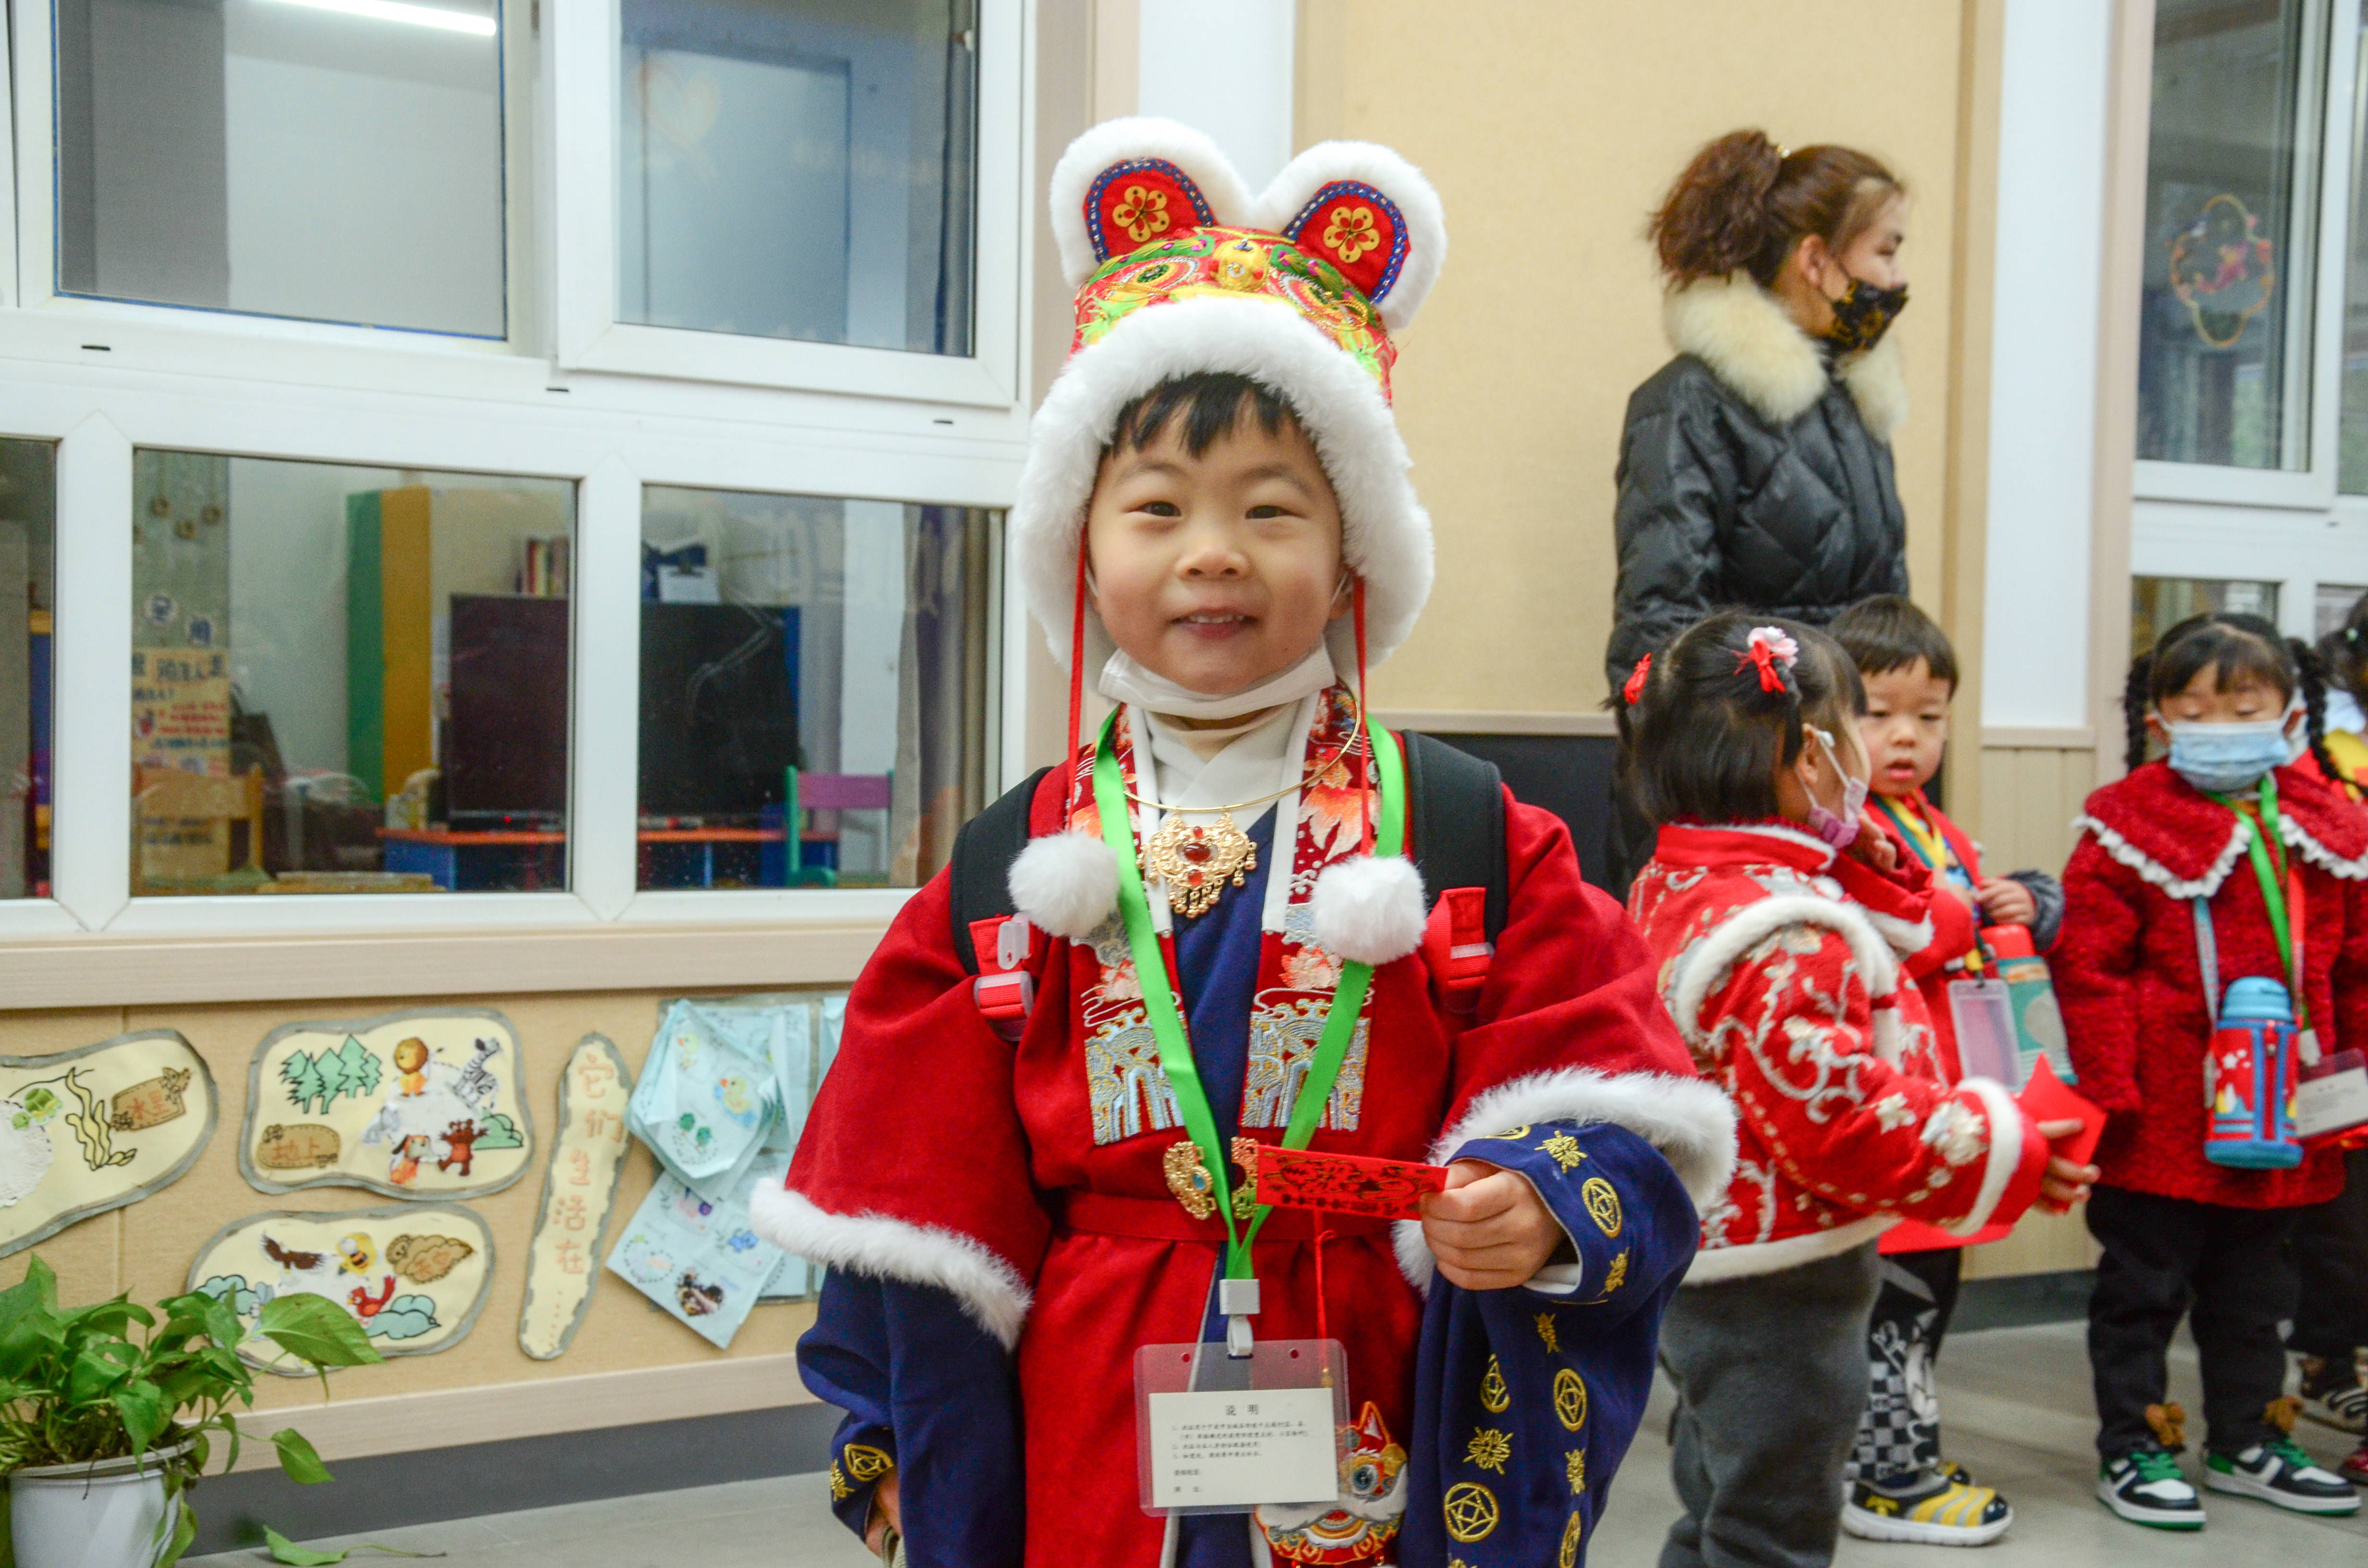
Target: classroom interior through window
27,636
347,679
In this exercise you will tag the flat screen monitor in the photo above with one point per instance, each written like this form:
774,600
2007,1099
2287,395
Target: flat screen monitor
719,708
505,755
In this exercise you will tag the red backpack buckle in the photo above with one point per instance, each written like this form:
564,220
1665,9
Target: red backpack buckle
1456,949
1005,990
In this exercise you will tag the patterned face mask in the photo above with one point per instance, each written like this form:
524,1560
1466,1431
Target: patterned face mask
1864,314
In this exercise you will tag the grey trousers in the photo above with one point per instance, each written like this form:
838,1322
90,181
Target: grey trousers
1771,1376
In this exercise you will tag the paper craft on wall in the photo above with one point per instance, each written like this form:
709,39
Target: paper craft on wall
699,1258
578,1189
417,1105
413,1275
90,1129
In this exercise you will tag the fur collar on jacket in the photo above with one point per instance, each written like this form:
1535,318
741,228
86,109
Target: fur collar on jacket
1751,345
2186,843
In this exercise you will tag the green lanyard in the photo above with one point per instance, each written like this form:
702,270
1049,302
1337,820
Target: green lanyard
2271,876
1167,1020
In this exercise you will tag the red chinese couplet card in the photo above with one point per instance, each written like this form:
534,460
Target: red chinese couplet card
1345,1184
2047,1098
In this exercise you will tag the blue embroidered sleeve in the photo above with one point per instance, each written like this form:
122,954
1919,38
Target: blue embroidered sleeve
1525,1403
929,1396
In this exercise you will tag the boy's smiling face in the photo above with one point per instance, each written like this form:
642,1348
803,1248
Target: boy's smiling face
1906,726
1222,570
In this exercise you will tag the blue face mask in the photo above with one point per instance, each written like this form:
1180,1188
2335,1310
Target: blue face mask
2221,758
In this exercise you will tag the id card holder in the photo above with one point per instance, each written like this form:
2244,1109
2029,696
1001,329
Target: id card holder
1220,1434
2332,1095
1983,1011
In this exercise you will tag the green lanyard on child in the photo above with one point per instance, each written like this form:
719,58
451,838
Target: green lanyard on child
2272,871
1159,998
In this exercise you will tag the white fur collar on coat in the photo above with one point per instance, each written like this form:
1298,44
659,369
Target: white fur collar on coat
1751,342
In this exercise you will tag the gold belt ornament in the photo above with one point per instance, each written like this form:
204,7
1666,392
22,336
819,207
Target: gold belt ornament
1188,1178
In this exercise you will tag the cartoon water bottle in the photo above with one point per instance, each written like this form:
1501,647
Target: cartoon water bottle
2249,1079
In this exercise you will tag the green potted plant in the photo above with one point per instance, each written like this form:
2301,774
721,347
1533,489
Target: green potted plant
101,1434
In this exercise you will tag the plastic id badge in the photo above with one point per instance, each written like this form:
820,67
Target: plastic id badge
1214,1434
2331,1100
1983,1011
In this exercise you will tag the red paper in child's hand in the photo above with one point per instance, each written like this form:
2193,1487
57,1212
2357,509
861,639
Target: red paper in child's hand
2048,1099
1345,1184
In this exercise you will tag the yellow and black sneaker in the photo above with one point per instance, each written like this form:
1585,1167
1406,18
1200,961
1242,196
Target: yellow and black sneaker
1931,1508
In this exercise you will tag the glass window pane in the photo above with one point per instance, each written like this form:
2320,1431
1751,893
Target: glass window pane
27,607
2157,604
815,688
2331,607
798,168
2231,180
284,157
347,679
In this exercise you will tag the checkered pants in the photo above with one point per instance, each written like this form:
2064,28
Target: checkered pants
1900,1430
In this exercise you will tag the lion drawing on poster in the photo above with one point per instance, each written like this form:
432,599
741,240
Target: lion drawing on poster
428,1096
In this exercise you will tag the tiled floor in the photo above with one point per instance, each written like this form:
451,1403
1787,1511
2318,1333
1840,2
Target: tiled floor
2016,1403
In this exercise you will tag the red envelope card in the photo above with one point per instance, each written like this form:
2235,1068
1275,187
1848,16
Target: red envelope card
2048,1099
1345,1184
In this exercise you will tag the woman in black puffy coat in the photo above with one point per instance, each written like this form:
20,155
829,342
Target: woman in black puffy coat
1755,467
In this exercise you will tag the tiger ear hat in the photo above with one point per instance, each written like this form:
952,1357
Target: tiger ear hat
1179,269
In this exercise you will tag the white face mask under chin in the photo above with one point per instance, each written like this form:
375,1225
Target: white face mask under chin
1124,680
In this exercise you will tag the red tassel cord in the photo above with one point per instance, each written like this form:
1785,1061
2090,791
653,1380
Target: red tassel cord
1076,685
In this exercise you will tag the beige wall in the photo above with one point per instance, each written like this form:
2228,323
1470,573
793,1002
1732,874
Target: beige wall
1550,127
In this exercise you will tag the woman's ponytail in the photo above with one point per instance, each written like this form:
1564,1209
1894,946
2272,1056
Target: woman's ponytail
2136,691
1744,203
1715,219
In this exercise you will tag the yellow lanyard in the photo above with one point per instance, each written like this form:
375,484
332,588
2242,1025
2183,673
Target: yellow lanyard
1933,849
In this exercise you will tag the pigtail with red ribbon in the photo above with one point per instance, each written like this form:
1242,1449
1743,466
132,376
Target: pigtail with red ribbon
1771,651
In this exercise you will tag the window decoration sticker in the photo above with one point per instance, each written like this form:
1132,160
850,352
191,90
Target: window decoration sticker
580,1187
417,1105
413,1275
2222,269
85,1131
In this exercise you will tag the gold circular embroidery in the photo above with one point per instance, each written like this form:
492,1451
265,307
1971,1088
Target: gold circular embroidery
866,1463
1572,1534
1570,1399
1492,1394
1512,1133
1603,1204
1470,1510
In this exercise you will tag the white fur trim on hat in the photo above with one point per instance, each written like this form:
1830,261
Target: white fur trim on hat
1115,142
1066,883
1690,1120
1367,908
1384,533
1369,164
989,1289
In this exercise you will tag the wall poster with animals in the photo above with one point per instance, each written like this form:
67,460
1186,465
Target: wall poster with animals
85,1131
413,1275
414,1105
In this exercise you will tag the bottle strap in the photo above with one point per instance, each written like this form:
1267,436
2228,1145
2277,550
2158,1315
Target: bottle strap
2207,957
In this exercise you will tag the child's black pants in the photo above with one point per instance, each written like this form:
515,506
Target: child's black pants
2330,1249
2223,1268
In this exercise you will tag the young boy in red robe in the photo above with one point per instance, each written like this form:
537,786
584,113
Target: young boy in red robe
1225,939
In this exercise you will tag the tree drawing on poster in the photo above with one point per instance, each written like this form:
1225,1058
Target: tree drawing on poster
422,1104
348,1069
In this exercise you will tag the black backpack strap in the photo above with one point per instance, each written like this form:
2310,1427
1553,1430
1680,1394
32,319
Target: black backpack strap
1455,810
981,870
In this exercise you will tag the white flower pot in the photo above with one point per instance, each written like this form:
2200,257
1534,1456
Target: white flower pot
89,1516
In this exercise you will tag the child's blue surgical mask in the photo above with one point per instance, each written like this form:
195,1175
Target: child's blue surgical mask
2221,758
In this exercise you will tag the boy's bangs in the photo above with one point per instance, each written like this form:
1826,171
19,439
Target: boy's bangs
1210,402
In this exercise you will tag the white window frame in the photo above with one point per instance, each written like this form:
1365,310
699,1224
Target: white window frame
249,386
584,119
2290,527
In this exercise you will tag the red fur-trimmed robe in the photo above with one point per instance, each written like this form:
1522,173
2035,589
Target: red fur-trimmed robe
1779,962
939,1154
2132,987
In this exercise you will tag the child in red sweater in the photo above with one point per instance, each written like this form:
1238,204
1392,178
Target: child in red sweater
1777,921
1901,1489
2221,849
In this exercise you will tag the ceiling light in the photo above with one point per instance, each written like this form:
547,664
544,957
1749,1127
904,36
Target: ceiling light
395,11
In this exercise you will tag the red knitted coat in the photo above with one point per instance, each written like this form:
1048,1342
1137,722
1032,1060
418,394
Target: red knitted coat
2132,988
1780,962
